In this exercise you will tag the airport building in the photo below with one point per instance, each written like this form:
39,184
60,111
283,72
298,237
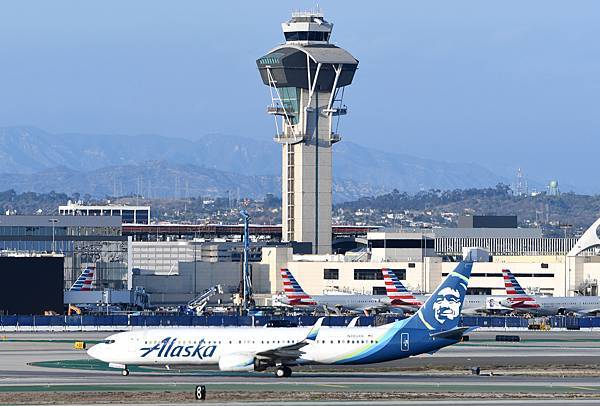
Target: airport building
84,242
551,266
31,283
129,214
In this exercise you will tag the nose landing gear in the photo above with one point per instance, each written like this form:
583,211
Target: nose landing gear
125,372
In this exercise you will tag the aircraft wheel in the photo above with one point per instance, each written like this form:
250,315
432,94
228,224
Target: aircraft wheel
280,372
125,372
287,372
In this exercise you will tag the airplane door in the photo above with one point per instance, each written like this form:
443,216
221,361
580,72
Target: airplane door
404,342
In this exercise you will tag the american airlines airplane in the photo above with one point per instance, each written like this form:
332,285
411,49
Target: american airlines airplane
519,301
296,296
435,325
401,297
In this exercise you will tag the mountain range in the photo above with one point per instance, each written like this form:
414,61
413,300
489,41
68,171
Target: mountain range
215,164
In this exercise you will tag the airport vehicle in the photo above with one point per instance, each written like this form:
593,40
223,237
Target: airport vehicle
521,302
85,280
296,296
435,325
401,297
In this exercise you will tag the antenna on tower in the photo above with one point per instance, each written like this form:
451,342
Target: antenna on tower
521,184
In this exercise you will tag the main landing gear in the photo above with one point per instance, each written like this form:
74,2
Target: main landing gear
125,372
283,372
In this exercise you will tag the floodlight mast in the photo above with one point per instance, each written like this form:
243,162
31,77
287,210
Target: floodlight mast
247,279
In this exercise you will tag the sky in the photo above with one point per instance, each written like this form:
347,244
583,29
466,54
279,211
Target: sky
505,84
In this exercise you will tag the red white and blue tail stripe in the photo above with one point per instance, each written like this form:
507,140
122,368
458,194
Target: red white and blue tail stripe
293,291
85,280
396,291
517,297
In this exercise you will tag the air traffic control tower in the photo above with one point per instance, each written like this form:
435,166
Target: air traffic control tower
306,77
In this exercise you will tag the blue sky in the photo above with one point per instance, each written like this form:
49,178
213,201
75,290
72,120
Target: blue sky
504,84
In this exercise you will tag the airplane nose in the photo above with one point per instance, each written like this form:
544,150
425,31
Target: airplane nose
93,351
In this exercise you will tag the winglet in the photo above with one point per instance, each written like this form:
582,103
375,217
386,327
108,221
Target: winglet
314,331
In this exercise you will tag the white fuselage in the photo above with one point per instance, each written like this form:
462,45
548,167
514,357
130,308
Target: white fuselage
553,305
204,346
351,302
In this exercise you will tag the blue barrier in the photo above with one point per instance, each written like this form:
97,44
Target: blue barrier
9,320
304,320
73,321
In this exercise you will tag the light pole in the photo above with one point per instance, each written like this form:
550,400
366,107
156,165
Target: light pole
247,281
53,221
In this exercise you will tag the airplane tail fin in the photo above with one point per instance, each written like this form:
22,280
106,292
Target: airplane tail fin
517,297
292,289
85,280
396,291
441,310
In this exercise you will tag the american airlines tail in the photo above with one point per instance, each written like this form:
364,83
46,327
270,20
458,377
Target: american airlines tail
85,280
517,297
292,289
396,292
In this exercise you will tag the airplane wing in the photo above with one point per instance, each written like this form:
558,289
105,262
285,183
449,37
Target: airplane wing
293,351
587,312
288,352
401,302
516,303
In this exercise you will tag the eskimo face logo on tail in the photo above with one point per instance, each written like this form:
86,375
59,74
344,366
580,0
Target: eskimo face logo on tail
441,310
167,348
446,305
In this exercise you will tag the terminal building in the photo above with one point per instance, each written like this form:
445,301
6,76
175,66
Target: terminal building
422,258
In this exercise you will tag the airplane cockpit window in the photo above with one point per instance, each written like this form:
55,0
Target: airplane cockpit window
109,341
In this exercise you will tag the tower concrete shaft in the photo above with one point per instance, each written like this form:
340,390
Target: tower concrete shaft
307,76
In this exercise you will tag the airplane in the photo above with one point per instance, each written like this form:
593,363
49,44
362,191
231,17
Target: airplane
295,296
434,326
398,295
519,301
85,280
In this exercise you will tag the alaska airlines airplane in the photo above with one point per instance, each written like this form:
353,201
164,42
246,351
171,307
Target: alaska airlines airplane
435,325
85,280
401,297
519,301
296,296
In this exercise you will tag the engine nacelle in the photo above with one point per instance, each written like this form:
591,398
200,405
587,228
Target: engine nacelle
238,362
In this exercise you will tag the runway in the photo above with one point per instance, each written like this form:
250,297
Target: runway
565,364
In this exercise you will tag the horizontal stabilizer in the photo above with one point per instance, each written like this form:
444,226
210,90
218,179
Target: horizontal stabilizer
455,333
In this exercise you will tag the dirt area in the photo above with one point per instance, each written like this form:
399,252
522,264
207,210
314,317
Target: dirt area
50,398
558,370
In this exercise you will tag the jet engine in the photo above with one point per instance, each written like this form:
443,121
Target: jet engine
238,362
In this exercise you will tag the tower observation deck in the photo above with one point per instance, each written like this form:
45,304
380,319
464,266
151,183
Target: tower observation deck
306,76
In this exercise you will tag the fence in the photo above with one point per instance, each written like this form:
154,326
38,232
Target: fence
127,321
